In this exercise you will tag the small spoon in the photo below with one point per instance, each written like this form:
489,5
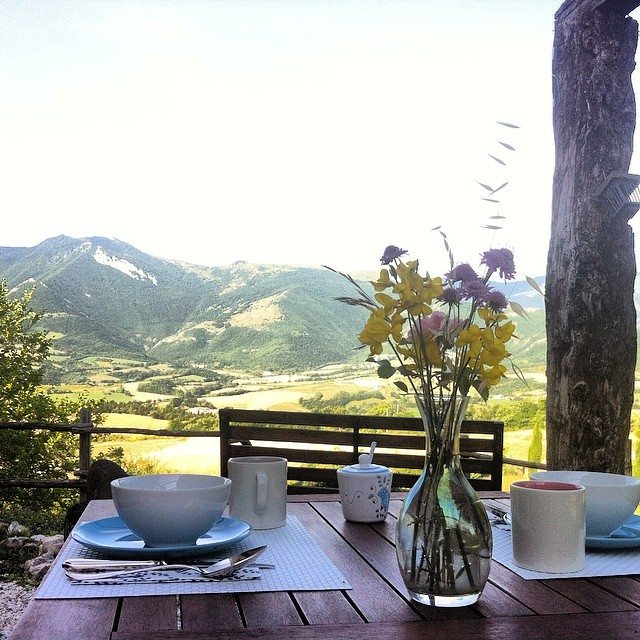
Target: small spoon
219,569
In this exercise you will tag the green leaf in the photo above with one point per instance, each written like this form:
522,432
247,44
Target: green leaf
516,307
506,146
497,159
385,370
491,226
482,388
535,285
491,200
464,384
497,217
402,386
508,124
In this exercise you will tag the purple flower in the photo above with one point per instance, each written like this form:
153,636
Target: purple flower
496,300
476,290
462,273
500,260
450,295
391,253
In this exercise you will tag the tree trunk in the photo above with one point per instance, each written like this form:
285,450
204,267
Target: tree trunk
590,313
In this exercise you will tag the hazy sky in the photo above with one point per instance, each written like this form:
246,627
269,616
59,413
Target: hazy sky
302,132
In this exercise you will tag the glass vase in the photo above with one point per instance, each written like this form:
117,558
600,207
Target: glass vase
443,535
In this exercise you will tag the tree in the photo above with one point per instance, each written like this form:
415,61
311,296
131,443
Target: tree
32,454
590,315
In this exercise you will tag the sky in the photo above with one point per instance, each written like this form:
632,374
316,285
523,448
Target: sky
303,132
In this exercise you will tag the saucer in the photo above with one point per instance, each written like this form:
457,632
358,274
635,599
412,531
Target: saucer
626,537
112,536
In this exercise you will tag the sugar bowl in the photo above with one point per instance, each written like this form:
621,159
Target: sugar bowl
365,489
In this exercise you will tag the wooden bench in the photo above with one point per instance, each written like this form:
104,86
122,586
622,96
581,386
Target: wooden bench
317,444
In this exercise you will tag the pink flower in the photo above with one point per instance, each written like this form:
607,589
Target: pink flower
434,322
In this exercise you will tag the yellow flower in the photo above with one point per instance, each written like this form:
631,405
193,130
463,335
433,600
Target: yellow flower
490,316
434,356
493,375
386,301
383,282
397,321
505,331
375,332
471,336
493,350
433,287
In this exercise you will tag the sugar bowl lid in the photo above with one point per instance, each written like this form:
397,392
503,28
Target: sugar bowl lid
365,464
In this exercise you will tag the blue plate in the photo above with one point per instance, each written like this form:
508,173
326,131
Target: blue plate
113,537
626,537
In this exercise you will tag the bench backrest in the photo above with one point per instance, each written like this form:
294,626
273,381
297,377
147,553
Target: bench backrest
316,444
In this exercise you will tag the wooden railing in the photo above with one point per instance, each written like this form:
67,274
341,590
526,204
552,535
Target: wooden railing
84,430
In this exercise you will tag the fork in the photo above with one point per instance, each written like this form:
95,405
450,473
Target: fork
219,569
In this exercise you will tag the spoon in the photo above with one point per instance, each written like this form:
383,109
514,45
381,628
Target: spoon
219,569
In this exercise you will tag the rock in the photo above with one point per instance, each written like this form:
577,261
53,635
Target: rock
15,542
38,538
16,529
51,543
40,565
31,547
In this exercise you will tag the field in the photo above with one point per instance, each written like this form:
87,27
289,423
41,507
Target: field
202,455
268,391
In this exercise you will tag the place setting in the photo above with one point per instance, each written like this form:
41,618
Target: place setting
568,524
174,533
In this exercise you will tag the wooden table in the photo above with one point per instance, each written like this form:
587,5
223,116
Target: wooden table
376,608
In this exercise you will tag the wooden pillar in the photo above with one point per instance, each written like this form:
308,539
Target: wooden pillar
590,314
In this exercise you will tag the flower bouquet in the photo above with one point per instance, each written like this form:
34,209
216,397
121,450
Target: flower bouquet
447,335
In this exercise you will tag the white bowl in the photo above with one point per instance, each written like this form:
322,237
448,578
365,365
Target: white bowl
611,498
170,509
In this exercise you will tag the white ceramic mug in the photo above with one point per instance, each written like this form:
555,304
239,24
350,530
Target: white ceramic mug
259,490
548,525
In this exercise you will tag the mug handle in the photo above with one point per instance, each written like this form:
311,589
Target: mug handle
261,493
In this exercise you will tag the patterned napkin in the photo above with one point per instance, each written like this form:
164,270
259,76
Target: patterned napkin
155,576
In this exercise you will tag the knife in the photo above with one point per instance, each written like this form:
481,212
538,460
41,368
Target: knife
95,564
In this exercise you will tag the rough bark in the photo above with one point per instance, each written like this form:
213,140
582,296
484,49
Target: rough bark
590,314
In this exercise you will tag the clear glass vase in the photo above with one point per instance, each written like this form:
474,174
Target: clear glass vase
443,535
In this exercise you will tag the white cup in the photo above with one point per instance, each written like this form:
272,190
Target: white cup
548,526
259,491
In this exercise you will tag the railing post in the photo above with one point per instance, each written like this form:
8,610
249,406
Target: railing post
85,449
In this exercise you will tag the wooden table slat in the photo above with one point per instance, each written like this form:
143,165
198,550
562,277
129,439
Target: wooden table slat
600,626
327,607
149,612
533,594
589,595
274,609
90,619
625,587
203,612
375,599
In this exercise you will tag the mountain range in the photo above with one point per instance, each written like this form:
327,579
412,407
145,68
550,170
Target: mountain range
103,297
